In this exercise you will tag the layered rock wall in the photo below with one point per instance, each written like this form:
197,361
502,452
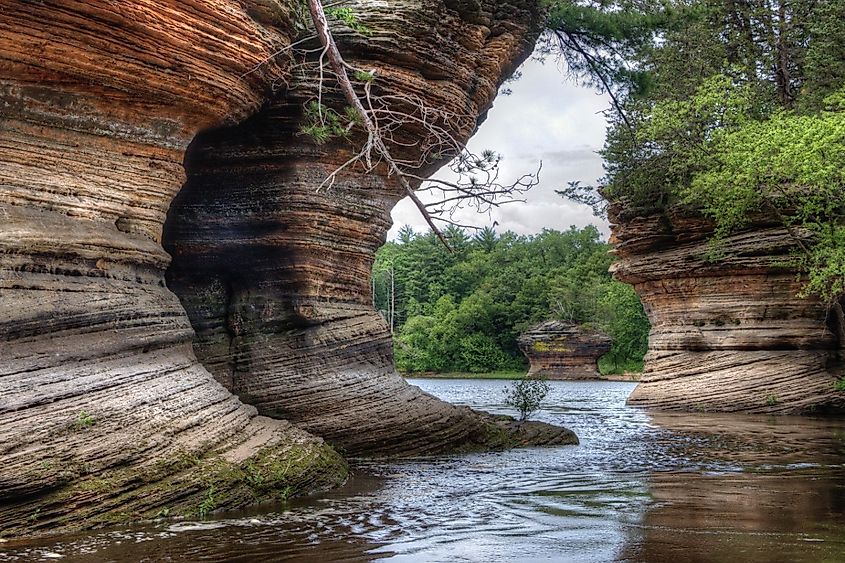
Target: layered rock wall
559,350
106,414
729,332
274,270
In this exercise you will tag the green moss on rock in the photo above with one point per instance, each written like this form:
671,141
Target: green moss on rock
188,484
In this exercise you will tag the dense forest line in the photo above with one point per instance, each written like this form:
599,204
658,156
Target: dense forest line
463,310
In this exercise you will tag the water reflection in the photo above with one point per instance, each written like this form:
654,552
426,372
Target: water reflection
742,517
780,495
640,487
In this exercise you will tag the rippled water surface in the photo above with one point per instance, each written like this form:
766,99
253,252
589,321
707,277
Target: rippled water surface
640,487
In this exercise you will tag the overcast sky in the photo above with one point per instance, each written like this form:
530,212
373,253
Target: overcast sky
548,118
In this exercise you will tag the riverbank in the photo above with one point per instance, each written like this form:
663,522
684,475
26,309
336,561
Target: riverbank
629,376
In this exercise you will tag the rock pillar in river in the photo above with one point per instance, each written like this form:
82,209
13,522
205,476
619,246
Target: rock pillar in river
730,334
560,350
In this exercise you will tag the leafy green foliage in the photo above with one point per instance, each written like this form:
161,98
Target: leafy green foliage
793,165
349,18
669,146
463,311
526,396
84,420
743,113
208,503
625,321
364,76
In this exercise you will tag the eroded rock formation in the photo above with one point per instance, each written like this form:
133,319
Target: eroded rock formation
729,334
106,413
559,350
274,273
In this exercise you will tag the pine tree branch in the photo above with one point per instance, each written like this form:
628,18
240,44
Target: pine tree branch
597,71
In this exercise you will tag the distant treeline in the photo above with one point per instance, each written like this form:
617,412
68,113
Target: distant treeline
463,311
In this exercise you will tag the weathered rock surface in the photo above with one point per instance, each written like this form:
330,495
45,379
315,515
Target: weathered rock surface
274,273
559,350
730,334
106,414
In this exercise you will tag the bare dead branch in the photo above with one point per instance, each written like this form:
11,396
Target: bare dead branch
374,140
386,119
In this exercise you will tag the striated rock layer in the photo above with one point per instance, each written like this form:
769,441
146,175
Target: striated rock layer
730,334
559,350
106,413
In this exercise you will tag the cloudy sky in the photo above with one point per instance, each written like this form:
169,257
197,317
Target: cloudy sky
547,118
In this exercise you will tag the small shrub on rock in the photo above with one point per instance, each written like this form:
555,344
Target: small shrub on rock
526,395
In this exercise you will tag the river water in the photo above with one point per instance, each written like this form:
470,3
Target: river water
640,487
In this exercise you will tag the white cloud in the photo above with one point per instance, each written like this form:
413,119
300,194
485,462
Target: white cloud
548,119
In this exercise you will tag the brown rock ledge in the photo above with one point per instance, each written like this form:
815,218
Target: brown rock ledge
559,350
106,414
729,335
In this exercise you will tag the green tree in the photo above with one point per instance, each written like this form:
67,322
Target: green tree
824,62
486,239
625,321
463,311
526,396
742,113
794,166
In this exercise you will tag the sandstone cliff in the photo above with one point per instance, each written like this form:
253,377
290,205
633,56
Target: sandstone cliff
728,334
106,413
559,350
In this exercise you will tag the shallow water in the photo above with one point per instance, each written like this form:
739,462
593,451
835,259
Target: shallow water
640,487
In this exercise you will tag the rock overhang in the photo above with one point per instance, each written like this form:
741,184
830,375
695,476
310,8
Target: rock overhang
105,407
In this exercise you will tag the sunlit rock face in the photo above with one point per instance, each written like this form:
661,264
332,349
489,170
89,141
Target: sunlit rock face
106,414
729,334
274,270
559,350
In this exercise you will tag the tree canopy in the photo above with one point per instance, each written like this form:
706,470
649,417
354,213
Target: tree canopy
738,108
